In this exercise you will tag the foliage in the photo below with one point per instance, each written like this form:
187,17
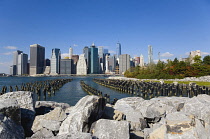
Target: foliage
172,69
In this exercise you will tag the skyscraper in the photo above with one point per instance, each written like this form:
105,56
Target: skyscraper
141,61
118,50
193,54
93,60
81,65
15,62
66,66
37,59
22,64
150,54
124,63
70,52
55,61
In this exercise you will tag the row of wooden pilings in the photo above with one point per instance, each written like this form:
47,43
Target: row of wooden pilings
149,90
46,87
92,91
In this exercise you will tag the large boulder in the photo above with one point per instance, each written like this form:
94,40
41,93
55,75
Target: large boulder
128,106
199,107
43,107
77,135
10,120
110,129
83,114
26,101
51,121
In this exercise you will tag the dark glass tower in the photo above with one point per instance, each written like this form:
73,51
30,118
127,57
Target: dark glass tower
93,60
118,49
37,59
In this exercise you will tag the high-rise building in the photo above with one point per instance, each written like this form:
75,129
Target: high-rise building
118,53
124,63
137,61
37,59
55,61
86,55
110,64
93,60
75,59
70,52
100,52
66,66
150,54
141,64
15,62
22,64
81,65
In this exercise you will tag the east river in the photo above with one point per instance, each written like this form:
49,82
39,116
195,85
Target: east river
70,93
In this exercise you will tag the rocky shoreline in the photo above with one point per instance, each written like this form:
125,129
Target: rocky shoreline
91,118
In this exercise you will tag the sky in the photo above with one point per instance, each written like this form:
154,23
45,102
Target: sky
172,27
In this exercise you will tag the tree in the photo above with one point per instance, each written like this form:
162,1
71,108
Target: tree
206,60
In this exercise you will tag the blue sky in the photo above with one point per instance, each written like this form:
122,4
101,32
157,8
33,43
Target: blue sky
172,27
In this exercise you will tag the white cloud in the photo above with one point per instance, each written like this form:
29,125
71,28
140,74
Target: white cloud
204,53
10,47
7,53
112,52
75,45
167,54
187,53
64,55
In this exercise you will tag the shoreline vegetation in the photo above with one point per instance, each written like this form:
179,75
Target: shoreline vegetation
172,69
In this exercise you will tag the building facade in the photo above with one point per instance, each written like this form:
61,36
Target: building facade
118,52
55,61
66,66
81,65
22,64
193,54
93,60
15,62
150,54
37,59
70,52
124,63
141,64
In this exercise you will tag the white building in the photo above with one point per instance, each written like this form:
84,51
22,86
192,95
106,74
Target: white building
193,54
70,52
55,61
81,65
22,64
141,61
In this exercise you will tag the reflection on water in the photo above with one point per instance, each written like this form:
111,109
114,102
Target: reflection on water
70,93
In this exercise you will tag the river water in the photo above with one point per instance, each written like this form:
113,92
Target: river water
70,93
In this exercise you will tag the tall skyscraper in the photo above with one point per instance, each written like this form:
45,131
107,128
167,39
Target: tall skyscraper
137,61
141,61
81,65
100,51
101,59
37,59
70,52
124,63
66,66
15,62
22,64
86,55
118,49
55,61
93,60
150,54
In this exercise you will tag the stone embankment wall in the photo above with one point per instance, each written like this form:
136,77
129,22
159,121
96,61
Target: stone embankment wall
91,117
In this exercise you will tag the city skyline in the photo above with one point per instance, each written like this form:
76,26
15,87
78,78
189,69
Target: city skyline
172,28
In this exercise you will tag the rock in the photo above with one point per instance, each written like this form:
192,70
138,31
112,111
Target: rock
84,113
199,107
43,107
10,120
112,114
107,129
50,121
43,133
77,135
127,106
26,101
